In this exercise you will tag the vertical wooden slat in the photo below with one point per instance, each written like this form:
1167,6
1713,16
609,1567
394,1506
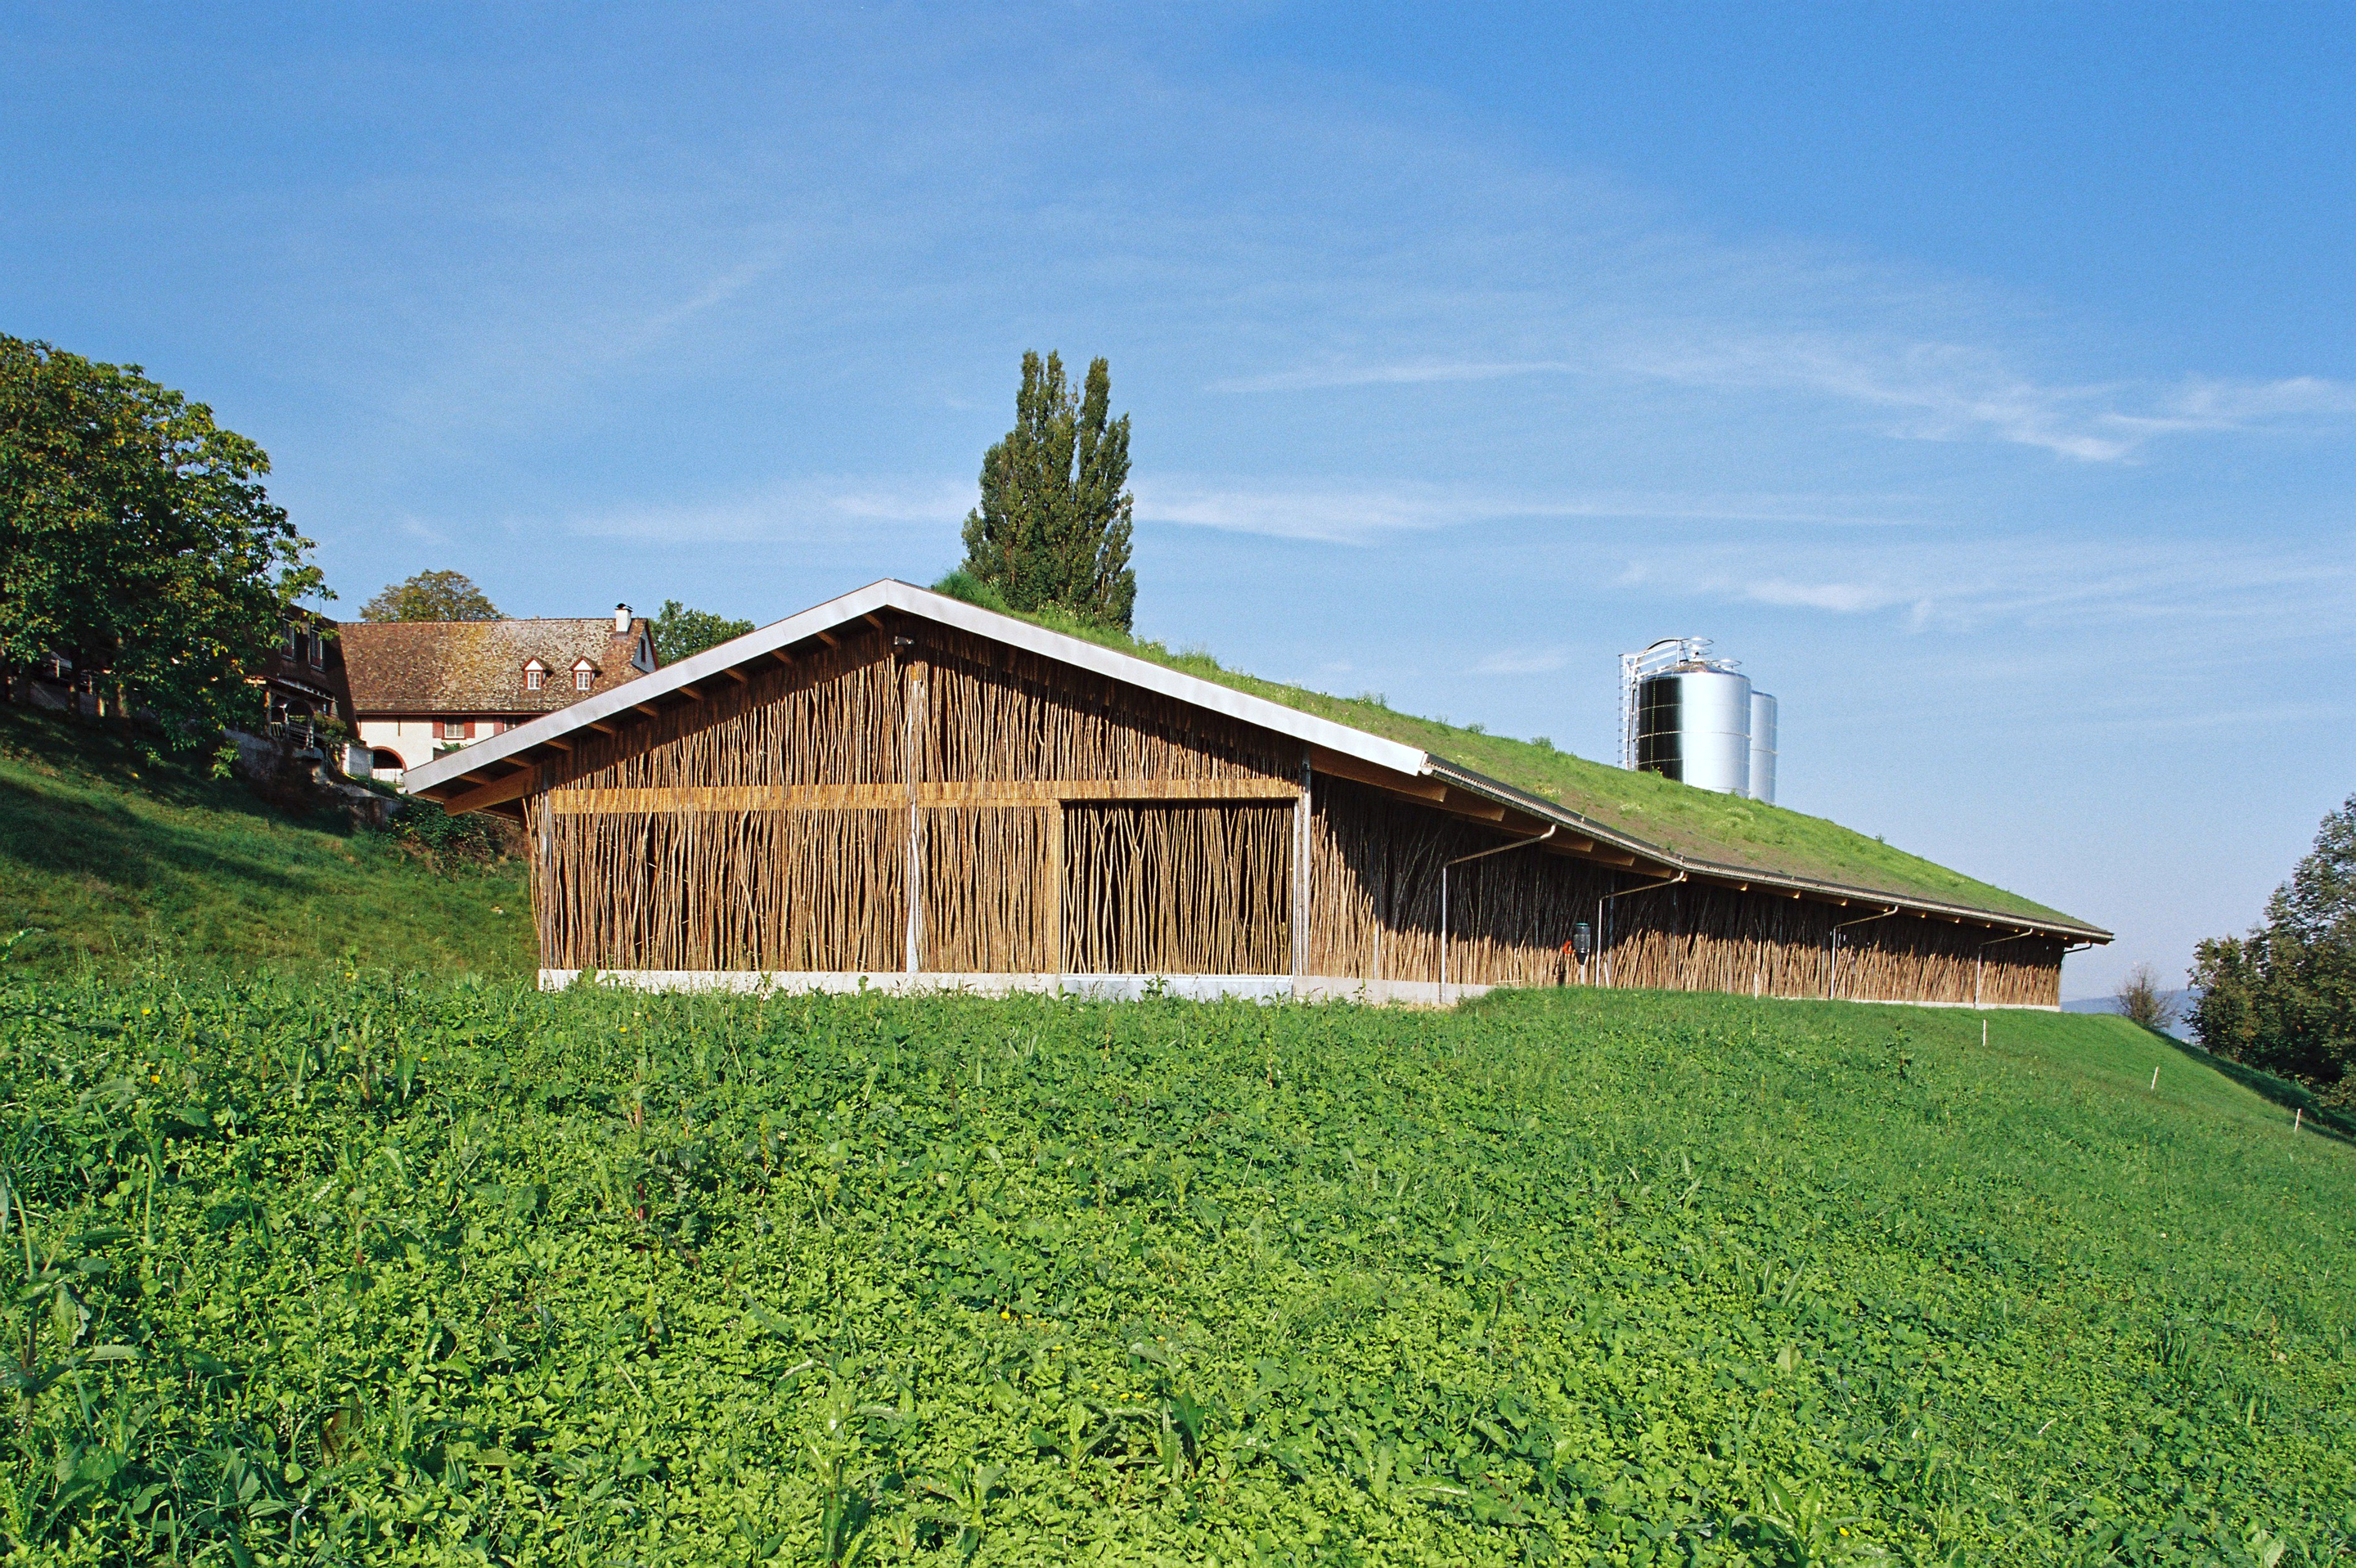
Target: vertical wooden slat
911,766
1052,903
1300,914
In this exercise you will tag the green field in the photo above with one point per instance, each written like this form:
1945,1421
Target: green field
106,855
373,1270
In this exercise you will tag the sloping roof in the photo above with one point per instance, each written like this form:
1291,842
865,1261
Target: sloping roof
477,667
1680,842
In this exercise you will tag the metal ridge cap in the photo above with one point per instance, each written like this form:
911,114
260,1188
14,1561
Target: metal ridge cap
1496,789
893,594
1136,670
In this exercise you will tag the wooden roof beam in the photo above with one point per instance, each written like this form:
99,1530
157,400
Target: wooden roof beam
497,793
1405,785
1463,803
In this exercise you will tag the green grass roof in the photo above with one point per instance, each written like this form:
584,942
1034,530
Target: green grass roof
1696,824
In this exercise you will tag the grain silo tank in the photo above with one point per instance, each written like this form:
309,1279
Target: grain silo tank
1692,718
1693,725
1762,747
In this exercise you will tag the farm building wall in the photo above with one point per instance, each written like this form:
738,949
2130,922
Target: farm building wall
1375,915
1064,823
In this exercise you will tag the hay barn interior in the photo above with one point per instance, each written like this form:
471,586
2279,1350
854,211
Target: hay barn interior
900,789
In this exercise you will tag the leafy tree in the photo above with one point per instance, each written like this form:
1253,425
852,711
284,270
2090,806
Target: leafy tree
679,631
1054,522
432,596
138,541
2283,996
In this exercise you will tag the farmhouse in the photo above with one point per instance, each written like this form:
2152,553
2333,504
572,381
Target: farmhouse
419,687
897,788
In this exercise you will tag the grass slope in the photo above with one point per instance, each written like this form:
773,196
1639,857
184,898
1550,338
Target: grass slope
1696,823
106,855
405,1274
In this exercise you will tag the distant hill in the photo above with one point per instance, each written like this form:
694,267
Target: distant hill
2182,1000
104,855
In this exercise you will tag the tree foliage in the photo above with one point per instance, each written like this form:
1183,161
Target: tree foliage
138,541
2283,996
679,631
1055,519
432,596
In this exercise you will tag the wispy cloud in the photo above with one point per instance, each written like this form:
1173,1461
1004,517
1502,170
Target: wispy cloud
1527,661
1841,598
1939,390
1407,375
1342,513
807,511
2244,591
1951,391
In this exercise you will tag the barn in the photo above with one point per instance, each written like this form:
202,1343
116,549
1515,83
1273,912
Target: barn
900,789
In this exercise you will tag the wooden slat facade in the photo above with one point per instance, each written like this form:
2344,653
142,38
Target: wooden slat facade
916,797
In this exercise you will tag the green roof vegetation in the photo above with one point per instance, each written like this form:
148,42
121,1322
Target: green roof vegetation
1696,823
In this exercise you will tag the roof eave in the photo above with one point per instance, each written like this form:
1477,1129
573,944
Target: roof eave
1539,807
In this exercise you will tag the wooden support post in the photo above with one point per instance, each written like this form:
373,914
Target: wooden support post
1300,876
1051,906
915,873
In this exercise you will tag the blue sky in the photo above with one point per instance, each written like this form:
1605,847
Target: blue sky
1984,377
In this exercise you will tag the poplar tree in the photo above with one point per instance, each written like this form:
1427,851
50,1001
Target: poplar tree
1054,525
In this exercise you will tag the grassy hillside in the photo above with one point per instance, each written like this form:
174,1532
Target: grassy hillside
1696,823
105,855
359,1271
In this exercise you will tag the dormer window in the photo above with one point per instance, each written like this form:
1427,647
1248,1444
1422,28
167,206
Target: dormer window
584,675
535,675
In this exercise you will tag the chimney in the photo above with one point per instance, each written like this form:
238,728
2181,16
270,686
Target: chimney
621,619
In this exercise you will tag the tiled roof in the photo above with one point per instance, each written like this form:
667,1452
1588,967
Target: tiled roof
477,667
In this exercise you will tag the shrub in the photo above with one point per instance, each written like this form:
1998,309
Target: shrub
2141,1000
425,830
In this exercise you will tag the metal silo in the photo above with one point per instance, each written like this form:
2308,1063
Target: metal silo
1687,715
1762,747
1690,717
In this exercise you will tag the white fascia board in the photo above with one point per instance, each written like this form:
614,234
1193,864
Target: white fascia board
890,594
1131,670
